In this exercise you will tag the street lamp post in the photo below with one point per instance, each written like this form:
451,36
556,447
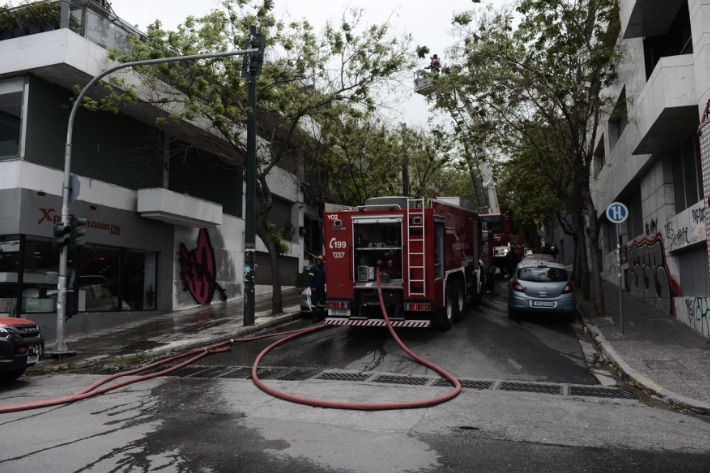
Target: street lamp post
60,347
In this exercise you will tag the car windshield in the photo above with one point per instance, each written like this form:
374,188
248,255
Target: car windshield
542,274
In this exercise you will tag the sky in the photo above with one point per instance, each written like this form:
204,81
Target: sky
428,22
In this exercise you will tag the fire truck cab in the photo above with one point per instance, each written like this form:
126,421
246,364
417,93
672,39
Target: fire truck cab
427,254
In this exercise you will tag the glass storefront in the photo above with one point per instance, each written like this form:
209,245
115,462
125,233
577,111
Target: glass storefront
105,278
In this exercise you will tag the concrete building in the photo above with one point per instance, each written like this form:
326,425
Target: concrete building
648,158
165,227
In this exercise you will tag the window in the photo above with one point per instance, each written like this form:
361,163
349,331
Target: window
677,40
11,99
109,279
618,119
439,239
687,185
599,157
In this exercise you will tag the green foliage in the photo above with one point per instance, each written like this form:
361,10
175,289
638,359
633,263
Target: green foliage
534,92
29,13
274,232
307,78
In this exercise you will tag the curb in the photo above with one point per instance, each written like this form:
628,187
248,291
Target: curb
635,378
269,321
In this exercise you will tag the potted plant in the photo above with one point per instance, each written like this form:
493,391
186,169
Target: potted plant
7,22
30,16
42,15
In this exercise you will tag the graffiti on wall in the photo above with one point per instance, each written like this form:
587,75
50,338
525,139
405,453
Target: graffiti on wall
651,280
199,270
698,313
651,227
686,228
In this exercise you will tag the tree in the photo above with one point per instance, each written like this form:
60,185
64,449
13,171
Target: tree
303,74
359,155
537,86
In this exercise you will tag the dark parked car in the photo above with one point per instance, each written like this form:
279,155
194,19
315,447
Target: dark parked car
21,345
542,287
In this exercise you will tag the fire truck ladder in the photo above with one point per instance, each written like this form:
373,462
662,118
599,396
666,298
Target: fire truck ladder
416,261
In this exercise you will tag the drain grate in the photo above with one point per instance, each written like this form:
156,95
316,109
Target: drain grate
595,391
471,384
242,372
342,376
300,374
531,387
395,379
271,373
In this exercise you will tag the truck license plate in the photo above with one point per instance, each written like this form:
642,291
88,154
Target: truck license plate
339,312
543,303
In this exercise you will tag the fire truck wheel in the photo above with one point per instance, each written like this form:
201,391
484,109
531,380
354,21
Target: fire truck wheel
446,318
459,296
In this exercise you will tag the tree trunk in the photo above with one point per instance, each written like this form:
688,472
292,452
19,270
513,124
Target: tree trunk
276,294
581,260
594,252
265,198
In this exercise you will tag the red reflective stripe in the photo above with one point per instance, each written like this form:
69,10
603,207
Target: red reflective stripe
378,323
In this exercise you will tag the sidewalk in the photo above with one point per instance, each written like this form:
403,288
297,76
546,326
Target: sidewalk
658,353
159,335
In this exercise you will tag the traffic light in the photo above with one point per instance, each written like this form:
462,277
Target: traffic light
76,232
252,63
61,235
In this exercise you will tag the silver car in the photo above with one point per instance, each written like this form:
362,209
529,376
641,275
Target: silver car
541,287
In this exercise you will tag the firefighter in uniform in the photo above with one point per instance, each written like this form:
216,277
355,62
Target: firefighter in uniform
316,281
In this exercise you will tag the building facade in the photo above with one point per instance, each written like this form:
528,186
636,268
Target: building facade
165,227
648,158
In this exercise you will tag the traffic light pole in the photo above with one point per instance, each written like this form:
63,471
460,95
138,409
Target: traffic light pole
251,70
60,347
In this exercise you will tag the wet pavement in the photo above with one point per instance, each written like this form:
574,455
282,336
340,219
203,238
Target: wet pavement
656,352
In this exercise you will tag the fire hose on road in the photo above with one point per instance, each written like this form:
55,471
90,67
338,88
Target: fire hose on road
102,386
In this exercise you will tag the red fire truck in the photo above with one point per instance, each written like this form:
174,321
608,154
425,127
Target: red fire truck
428,254
498,225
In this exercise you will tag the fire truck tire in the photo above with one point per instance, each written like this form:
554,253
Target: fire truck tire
459,295
446,316
477,293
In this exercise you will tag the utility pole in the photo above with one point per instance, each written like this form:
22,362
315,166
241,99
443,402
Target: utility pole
60,347
251,69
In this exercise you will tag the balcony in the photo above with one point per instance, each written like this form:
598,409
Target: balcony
91,19
644,18
667,107
178,209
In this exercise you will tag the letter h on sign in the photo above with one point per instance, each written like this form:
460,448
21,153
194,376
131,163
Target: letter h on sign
617,212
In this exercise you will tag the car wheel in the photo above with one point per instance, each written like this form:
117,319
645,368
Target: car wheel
11,375
512,314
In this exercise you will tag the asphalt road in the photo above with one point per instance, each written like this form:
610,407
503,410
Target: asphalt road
200,422
485,345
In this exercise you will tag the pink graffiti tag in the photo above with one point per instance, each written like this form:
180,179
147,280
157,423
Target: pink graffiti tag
198,268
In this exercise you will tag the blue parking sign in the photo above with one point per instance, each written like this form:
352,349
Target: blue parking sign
617,212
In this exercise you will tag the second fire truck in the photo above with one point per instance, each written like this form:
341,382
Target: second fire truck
427,253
